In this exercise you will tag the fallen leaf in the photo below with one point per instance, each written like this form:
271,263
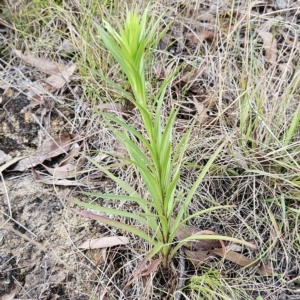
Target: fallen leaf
152,268
105,242
63,182
70,170
66,46
9,163
57,275
59,74
233,256
90,179
202,111
75,150
100,157
4,157
270,45
51,147
36,101
42,64
39,88
69,167
57,81
197,257
200,36
185,231
266,269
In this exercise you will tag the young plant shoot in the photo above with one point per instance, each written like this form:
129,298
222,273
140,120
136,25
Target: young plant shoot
157,159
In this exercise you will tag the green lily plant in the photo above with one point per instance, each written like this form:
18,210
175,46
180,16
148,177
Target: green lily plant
157,159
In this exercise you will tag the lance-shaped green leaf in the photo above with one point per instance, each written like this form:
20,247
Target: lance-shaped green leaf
88,214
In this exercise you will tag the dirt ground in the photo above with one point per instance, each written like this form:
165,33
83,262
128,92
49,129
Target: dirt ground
38,236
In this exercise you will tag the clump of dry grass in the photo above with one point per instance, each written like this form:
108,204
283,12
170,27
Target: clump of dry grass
247,89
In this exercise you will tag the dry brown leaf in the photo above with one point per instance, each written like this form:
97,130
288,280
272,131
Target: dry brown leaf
197,257
63,182
266,269
39,88
200,36
105,242
270,45
67,46
70,157
202,111
51,147
69,167
35,101
60,74
190,75
42,64
58,275
90,179
152,268
100,157
9,163
69,170
204,245
57,81
233,256
4,157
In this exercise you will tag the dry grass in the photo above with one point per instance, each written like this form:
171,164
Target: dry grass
248,92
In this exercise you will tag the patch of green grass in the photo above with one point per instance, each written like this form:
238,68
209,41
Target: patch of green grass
212,286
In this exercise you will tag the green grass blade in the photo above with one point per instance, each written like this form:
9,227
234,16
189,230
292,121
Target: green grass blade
289,134
116,224
112,211
131,191
138,200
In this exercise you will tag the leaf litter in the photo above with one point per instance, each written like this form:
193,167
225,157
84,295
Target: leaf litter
104,242
50,148
203,251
